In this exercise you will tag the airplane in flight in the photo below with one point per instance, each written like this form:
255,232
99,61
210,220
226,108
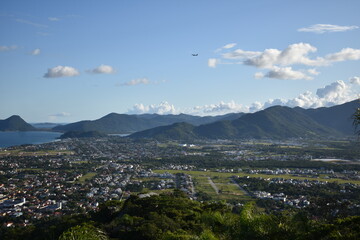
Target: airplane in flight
195,54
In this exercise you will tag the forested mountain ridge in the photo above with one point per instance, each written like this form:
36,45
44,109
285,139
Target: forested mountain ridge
275,122
124,123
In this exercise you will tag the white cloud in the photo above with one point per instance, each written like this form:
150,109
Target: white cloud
162,108
102,69
53,19
286,73
62,114
344,55
323,28
256,106
31,23
227,46
332,94
134,82
304,100
240,54
259,75
212,62
7,48
355,80
35,52
55,116
333,91
61,71
219,108
280,62
313,71
293,54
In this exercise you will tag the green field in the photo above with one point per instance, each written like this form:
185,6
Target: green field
89,175
223,179
227,190
22,152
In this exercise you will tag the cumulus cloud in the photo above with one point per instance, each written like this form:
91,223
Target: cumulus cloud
35,52
286,73
61,71
293,54
7,48
134,82
324,28
333,91
344,55
162,108
332,94
221,107
279,63
355,80
212,62
102,69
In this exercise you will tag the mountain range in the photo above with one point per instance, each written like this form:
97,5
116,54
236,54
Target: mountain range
274,122
124,123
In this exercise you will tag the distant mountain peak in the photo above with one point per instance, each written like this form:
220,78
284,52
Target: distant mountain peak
15,123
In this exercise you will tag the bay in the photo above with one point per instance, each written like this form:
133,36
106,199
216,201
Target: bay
8,139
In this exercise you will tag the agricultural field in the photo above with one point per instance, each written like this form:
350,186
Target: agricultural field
227,190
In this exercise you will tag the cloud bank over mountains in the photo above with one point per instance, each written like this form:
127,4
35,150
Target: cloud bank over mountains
278,64
162,108
335,93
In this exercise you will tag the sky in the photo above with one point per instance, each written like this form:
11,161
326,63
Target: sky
65,61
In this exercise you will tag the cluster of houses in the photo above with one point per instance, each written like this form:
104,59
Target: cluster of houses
299,202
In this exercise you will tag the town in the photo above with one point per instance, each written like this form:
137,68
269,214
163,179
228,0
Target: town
78,175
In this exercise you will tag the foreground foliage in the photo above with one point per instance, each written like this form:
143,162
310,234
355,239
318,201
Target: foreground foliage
173,216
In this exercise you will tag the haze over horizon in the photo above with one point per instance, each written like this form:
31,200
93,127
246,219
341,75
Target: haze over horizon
65,61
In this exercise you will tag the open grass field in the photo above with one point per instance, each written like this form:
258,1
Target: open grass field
18,153
89,175
221,178
227,190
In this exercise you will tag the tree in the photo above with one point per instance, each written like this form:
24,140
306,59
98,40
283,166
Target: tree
356,121
83,232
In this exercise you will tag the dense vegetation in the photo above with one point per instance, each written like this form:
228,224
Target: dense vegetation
174,216
79,134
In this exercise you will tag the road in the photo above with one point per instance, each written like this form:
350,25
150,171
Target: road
213,185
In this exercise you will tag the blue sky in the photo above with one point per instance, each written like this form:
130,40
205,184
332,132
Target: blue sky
64,61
